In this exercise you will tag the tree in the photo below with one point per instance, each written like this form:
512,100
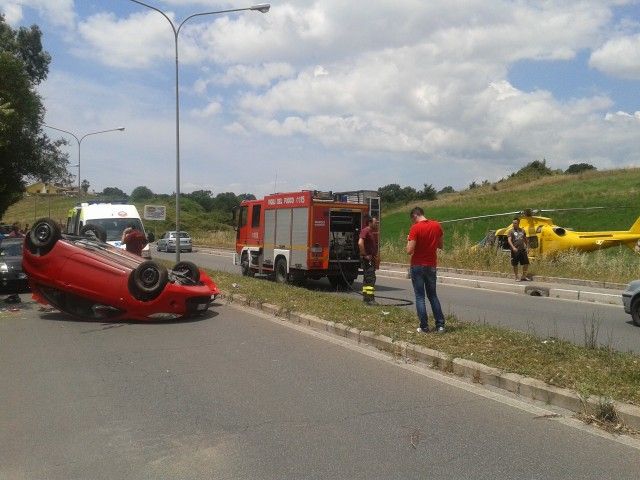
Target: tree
25,152
114,192
141,193
85,185
428,193
447,189
225,202
535,169
578,168
203,198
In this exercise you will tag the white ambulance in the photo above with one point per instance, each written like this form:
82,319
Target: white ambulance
113,217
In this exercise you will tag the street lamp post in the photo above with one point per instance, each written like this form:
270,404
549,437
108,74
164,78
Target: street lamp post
79,140
262,8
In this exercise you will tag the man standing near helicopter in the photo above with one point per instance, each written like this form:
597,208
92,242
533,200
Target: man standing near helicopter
519,245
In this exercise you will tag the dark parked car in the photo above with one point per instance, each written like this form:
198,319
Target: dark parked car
88,278
631,301
12,278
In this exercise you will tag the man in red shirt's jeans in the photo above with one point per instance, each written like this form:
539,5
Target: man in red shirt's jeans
425,237
134,240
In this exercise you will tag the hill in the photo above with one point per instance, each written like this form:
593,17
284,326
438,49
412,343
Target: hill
617,190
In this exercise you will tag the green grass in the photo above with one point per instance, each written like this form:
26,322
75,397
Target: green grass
590,371
618,190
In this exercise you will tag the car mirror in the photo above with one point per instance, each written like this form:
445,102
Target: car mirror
151,237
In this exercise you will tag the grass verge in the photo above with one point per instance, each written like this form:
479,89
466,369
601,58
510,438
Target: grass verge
589,371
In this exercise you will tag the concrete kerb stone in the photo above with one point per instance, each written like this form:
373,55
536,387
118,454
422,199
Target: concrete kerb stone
510,382
629,414
600,298
477,372
563,293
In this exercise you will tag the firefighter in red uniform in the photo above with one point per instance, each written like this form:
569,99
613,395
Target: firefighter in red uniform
134,240
368,245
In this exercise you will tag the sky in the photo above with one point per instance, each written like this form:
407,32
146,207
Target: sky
338,95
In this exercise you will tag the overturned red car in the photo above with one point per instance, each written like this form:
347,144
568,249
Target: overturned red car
88,278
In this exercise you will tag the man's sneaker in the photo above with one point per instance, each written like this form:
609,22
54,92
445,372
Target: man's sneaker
422,330
440,330
371,303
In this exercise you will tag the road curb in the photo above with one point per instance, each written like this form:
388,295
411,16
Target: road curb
476,372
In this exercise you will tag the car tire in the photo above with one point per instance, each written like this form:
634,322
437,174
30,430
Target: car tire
635,312
43,236
94,231
281,271
148,280
188,270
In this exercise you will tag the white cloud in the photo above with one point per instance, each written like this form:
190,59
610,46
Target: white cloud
398,87
210,110
58,12
134,42
619,57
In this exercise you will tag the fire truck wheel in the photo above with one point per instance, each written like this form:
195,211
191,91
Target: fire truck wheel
298,278
281,271
244,266
338,282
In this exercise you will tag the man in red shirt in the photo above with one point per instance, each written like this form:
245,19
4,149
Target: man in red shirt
425,238
368,245
134,240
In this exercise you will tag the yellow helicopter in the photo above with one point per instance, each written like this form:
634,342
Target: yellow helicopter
545,238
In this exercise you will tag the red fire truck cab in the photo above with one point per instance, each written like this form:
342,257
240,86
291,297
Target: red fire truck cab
300,235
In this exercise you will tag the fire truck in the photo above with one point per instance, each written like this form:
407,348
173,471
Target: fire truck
301,235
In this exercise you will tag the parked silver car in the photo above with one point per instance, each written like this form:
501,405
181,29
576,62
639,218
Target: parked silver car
631,301
167,242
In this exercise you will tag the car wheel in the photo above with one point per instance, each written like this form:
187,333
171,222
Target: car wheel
148,280
635,312
281,270
94,231
188,270
43,236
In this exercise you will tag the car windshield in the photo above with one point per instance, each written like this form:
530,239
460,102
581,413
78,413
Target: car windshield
115,226
182,235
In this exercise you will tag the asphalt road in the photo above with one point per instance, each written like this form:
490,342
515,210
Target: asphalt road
543,316
237,396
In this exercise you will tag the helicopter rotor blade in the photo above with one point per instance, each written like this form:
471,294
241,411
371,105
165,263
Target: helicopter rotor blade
529,212
491,215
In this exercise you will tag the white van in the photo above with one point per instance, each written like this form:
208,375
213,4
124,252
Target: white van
113,217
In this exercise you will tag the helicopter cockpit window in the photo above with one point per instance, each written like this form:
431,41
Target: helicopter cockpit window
503,243
539,229
533,242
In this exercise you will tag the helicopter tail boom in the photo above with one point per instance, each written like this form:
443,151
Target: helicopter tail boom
635,228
